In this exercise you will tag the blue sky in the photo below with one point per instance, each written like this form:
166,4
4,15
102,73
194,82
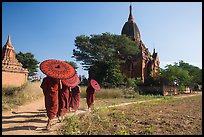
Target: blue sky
48,29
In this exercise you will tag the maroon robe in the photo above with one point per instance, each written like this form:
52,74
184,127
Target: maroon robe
50,91
75,97
63,97
90,95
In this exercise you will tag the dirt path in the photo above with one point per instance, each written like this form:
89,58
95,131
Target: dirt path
31,119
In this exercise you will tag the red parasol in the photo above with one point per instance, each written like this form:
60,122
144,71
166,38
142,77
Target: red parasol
71,82
57,69
95,84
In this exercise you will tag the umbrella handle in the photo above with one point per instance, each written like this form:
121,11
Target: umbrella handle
60,84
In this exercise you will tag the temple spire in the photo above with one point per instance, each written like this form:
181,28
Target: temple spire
8,43
130,19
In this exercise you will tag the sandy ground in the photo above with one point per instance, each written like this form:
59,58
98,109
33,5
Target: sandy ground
31,119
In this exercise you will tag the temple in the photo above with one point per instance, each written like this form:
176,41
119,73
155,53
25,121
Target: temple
146,64
13,74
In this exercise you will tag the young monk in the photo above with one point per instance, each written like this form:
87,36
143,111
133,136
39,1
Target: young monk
50,88
90,97
64,101
75,98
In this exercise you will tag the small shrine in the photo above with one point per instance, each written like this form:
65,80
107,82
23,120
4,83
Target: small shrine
13,74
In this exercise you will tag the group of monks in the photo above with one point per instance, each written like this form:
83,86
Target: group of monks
61,99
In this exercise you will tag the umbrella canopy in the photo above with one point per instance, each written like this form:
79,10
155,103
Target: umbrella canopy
95,84
71,82
57,69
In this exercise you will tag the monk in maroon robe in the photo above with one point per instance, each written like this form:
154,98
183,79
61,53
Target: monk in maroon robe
63,97
50,88
90,96
75,98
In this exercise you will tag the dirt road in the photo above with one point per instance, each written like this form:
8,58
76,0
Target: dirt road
31,119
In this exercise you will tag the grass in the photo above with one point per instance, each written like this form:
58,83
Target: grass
110,121
102,121
104,93
16,96
150,130
12,97
72,125
120,120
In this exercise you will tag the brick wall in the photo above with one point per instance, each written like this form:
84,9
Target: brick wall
170,90
164,90
13,78
155,90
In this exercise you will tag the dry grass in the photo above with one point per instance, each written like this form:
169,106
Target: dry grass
105,93
31,91
12,96
157,117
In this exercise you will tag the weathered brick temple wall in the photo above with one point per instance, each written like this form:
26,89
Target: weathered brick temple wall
13,79
13,74
165,90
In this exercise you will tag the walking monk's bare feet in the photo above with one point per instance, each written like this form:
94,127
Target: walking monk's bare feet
48,124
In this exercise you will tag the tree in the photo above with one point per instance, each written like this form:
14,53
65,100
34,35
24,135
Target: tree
28,61
194,72
73,64
105,48
173,73
109,75
182,74
84,81
102,55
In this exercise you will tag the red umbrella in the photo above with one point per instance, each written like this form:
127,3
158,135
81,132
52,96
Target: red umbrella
71,82
95,84
57,69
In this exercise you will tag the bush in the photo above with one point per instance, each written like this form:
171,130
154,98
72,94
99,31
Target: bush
130,82
130,92
181,89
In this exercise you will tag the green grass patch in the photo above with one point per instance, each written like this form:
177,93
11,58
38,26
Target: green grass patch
71,126
150,130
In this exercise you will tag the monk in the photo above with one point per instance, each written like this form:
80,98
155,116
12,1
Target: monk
75,98
90,97
64,101
50,88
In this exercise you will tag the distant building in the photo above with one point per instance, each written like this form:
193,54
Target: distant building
13,74
139,67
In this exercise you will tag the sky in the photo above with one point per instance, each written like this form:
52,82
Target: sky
48,29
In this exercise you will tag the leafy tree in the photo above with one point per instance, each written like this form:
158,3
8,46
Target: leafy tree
182,74
173,74
153,79
102,55
194,72
73,64
84,81
28,61
105,48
